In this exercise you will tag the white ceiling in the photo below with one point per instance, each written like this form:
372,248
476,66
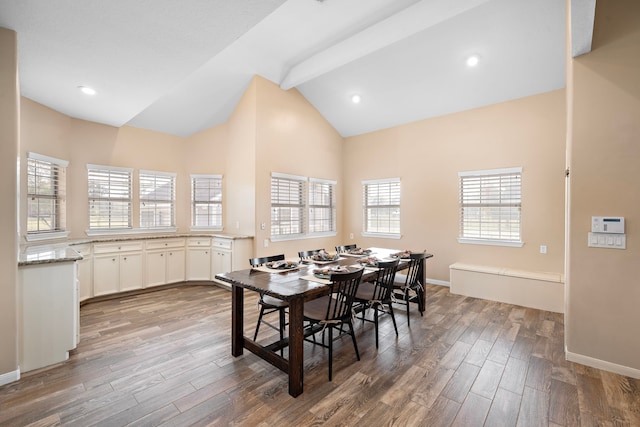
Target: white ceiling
181,66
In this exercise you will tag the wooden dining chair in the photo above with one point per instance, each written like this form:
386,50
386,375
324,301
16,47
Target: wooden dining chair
333,310
345,248
407,283
377,294
308,254
269,304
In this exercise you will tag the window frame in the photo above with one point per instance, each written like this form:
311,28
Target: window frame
58,178
300,207
144,175
367,185
487,177
124,173
312,220
209,203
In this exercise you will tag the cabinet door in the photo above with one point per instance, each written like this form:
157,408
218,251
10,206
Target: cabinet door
156,265
175,263
130,271
106,274
84,277
221,262
199,264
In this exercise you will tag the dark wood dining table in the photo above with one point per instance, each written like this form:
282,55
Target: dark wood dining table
288,286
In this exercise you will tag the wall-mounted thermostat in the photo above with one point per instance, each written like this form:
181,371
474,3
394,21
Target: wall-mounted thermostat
607,224
607,232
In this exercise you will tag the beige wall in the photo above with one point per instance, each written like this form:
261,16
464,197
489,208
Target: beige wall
427,157
9,145
48,132
293,138
604,287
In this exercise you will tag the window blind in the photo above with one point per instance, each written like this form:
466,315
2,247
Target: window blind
109,197
322,210
287,205
157,199
46,194
381,206
490,205
206,201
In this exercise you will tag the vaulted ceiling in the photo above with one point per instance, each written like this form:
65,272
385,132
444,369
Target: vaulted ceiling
180,67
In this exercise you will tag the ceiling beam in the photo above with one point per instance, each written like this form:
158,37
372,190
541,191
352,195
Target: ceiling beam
409,21
583,14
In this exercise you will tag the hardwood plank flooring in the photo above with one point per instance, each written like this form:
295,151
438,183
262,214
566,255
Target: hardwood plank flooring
163,359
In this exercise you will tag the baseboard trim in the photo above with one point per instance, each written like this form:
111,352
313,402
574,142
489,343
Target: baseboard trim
439,282
9,377
603,364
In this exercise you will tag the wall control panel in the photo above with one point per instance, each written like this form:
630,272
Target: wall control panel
607,232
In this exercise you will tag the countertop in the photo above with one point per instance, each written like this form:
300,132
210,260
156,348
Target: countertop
62,251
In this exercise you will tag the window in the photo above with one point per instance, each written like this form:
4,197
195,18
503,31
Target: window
157,199
322,210
382,207
490,205
287,205
109,197
46,196
206,201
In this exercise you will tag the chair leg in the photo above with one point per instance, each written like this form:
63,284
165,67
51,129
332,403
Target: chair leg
406,300
353,338
330,351
255,335
375,322
393,317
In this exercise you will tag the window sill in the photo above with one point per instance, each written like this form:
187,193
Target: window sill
382,235
111,232
302,236
488,242
46,236
205,229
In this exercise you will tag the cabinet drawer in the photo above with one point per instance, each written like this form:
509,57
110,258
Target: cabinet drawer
223,243
199,241
104,248
165,243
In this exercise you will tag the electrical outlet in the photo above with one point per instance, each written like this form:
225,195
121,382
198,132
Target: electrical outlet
351,236
543,249
266,243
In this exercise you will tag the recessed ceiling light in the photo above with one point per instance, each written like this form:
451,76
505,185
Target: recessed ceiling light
473,60
87,90
356,99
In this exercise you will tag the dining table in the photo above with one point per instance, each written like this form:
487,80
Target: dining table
295,286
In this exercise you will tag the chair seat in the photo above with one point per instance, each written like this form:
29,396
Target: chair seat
316,309
273,302
399,280
365,291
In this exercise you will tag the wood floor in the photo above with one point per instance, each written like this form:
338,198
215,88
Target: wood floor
163,358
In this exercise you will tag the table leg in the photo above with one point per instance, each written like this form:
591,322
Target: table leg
296,346
237,320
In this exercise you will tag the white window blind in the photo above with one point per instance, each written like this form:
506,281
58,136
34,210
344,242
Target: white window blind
157,199
322,209
206,201
287,205
490,205
46,194
381,206
109,197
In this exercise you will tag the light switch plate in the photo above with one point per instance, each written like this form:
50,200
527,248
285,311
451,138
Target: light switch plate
607,240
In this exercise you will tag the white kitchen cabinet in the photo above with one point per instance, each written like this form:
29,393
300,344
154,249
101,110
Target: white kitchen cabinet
117,267
199,258
85,278
230,253
165,261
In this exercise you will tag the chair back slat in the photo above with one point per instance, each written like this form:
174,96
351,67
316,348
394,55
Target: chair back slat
415,259
309,254
257,262
384,280
345,248
343,290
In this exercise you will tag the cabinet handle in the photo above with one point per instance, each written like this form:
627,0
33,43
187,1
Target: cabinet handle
161,254
125,258
113,259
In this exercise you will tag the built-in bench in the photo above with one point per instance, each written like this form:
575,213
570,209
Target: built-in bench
544,291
